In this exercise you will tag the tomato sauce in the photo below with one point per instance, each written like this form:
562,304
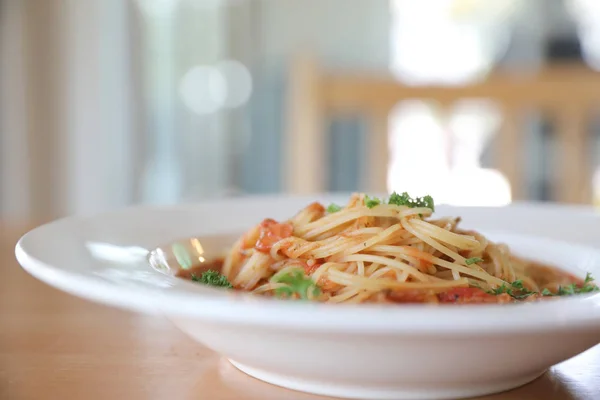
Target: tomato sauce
452,296
271,232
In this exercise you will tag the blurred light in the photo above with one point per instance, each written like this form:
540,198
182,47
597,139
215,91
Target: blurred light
133,276
476,187
447,42
587,15
460,63
445,163
584,10
203,89
472,124
197,246
117,254
238,82
419,158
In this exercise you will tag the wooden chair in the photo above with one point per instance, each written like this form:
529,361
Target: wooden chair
567,92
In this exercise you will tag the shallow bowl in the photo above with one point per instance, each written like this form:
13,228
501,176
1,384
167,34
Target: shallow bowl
353,351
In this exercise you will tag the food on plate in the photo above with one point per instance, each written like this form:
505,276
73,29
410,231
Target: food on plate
381,251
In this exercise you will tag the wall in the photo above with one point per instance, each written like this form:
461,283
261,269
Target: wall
65,109
14,174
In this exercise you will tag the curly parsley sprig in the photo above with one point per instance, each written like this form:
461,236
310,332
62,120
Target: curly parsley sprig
403,199
296,284
212,278
569,290
518,291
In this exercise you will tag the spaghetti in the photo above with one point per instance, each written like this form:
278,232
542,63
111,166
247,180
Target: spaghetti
377,251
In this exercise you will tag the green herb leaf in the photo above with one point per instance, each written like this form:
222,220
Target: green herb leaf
333,208
516,290
518,284
572,289
473,260
568,290
428,200
588,278
297,283
404,199
499,290
588,289
372,201
212,278
520,291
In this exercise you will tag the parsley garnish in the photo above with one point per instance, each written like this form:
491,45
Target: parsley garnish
333,208
372,201
587,287
297,283
516,290
212,278
588,279
404,199
473,260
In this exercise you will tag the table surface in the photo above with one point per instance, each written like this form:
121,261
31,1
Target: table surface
55,346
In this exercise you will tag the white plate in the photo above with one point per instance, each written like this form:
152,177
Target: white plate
375,352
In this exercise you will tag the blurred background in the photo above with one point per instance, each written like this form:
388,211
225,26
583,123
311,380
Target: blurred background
107,103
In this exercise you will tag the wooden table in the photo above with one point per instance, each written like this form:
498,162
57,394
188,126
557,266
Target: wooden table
55,346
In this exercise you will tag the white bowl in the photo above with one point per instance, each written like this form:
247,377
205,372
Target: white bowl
353,351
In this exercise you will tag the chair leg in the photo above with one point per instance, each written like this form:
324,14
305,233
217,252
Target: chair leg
305,142
574,178
374,179
509,152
